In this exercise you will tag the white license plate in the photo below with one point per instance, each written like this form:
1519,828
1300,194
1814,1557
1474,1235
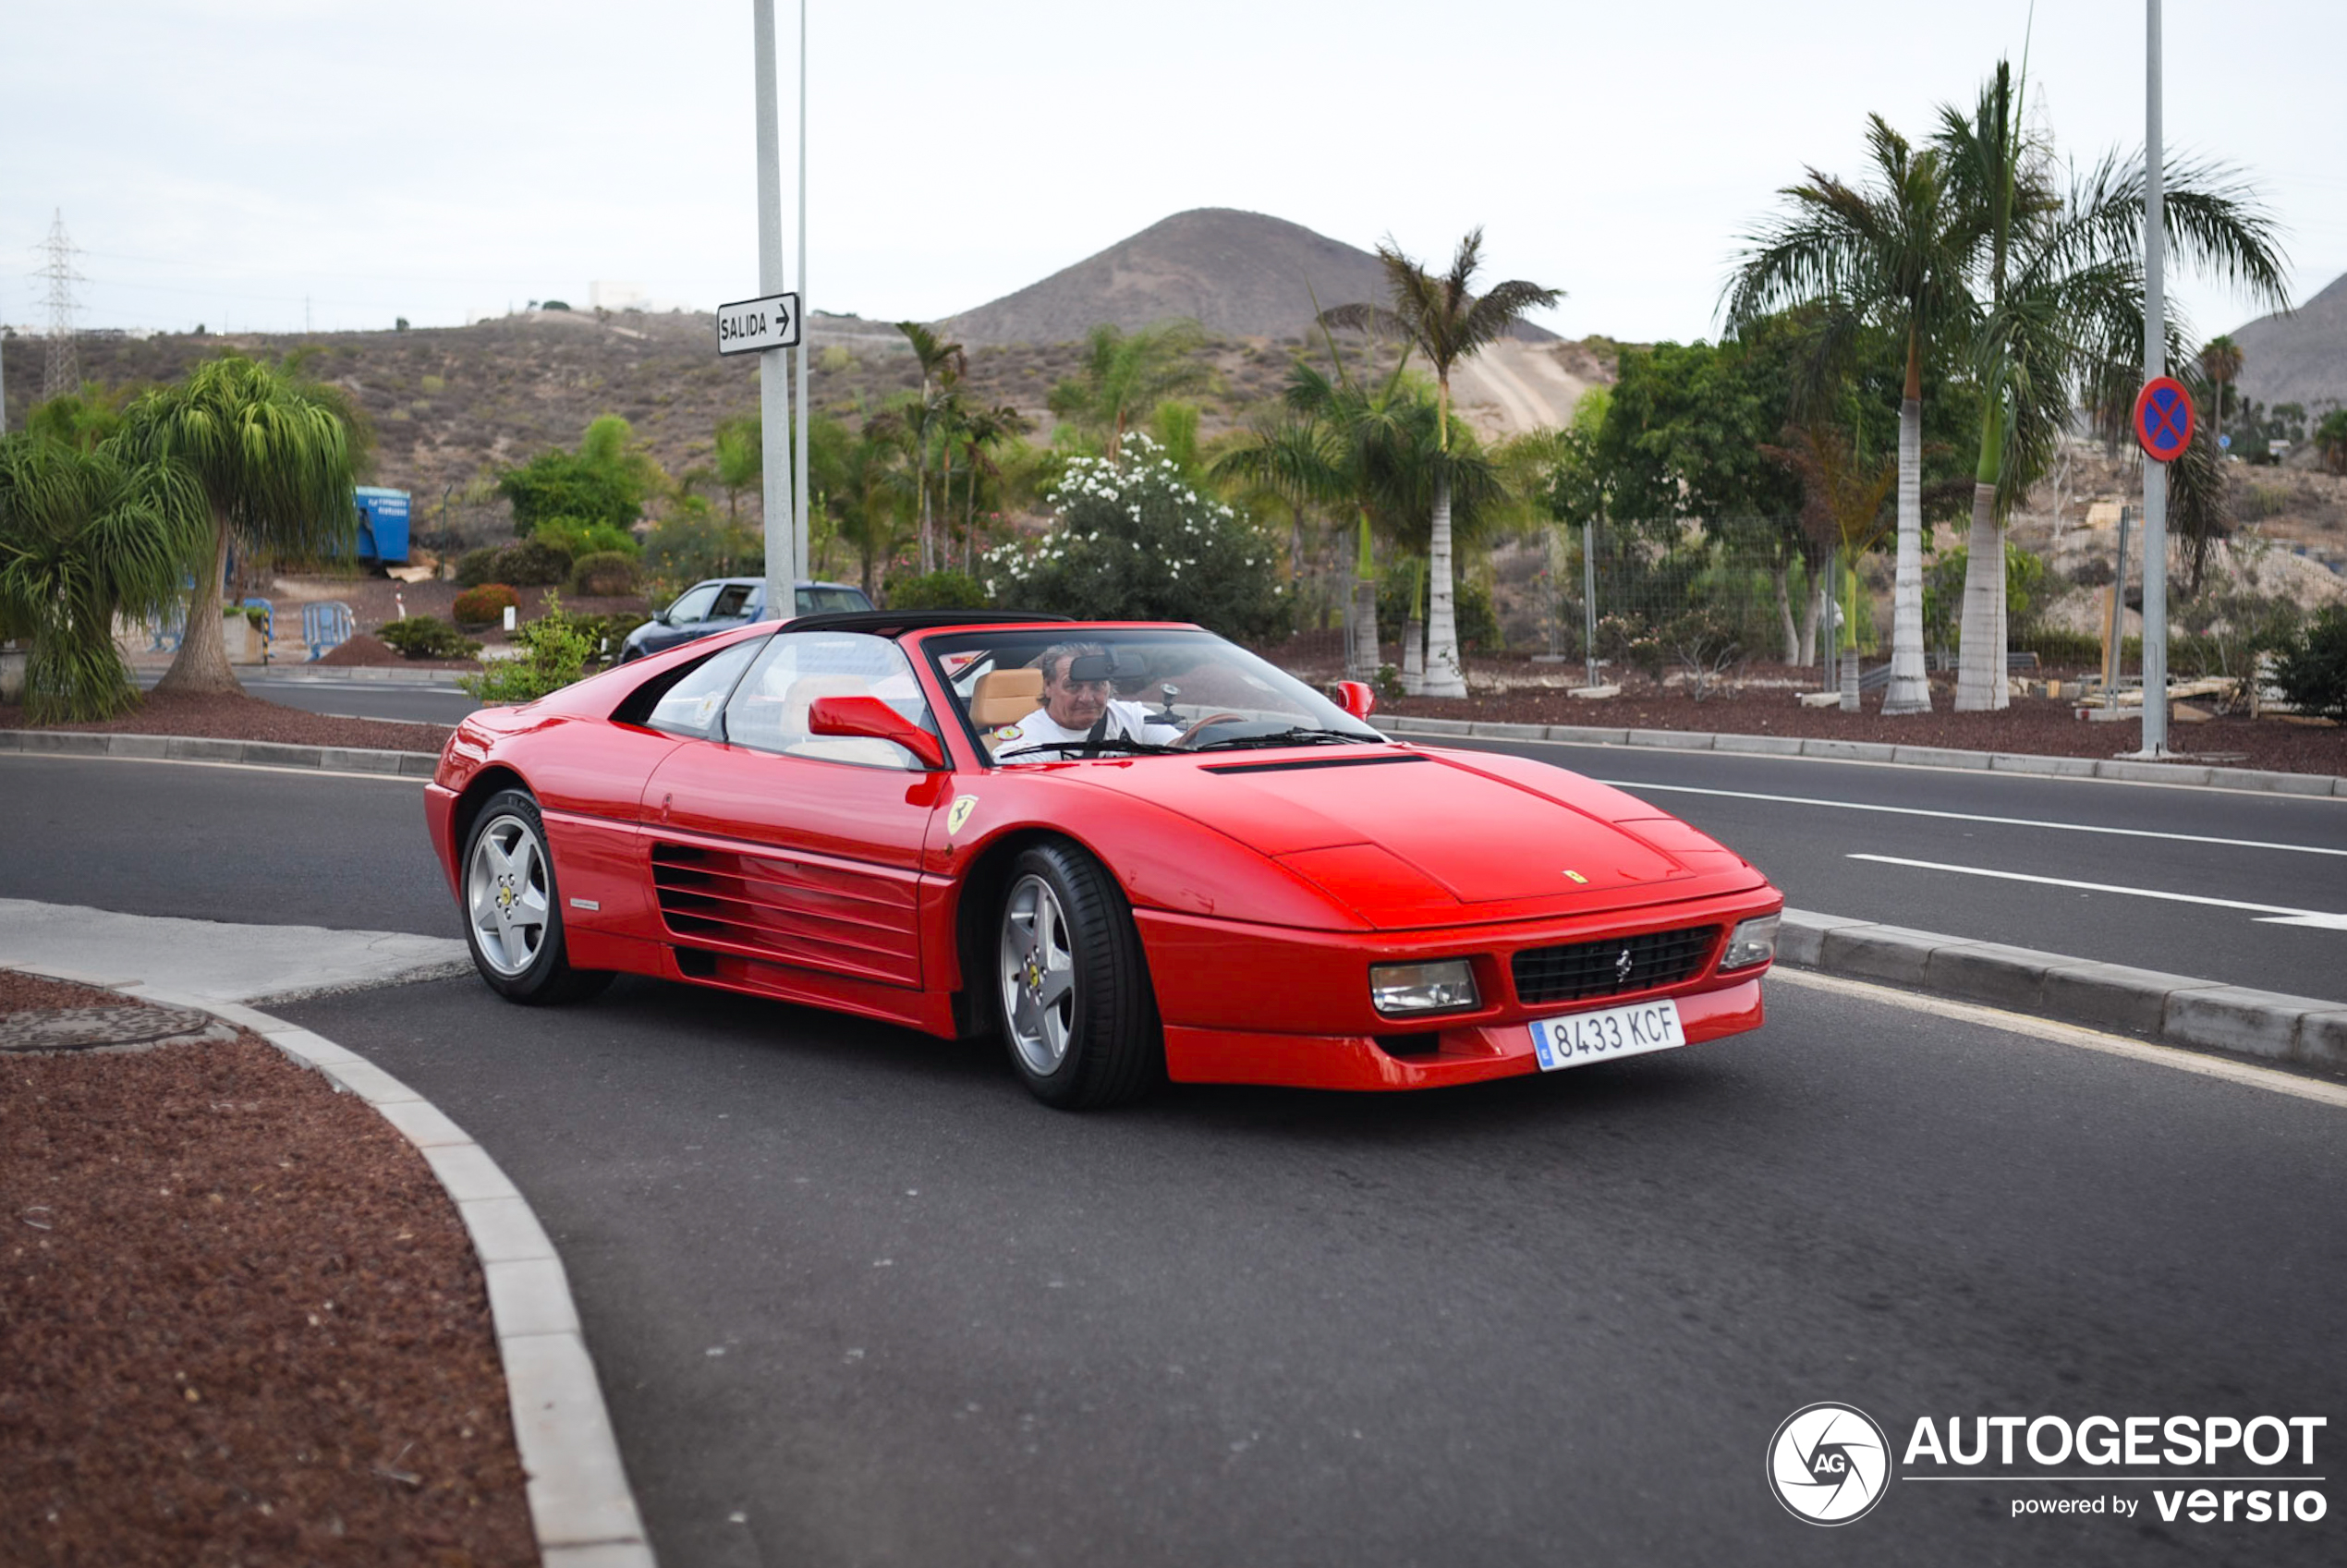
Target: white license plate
1580,1037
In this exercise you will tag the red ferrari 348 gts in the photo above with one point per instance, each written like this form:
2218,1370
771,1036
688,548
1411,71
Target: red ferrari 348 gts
1133,850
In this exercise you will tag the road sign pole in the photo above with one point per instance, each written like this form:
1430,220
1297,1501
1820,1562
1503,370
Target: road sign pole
2155,655
773,365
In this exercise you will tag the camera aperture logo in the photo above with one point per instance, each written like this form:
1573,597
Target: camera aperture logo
1828,1464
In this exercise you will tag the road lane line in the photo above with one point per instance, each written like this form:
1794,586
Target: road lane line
2168,1056
2271,914
1635,786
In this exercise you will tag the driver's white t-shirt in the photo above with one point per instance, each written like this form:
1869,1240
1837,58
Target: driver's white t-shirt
1125,721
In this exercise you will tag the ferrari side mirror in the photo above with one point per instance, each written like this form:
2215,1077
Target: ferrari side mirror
1356,697
871,717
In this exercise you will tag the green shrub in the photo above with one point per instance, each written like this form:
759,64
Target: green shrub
583,538
2312,672
427,636
946,589
604,574
1471,612
556,651
479,606
1137,542
605,633
531,563
477,566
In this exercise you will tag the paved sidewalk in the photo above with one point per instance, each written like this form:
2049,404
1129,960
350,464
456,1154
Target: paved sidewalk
213,962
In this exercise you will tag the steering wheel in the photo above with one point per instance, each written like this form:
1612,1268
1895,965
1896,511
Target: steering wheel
1187,736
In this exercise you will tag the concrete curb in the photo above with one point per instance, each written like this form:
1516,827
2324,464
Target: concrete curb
2171,1009
580,1505
369,673
2254,780
198,748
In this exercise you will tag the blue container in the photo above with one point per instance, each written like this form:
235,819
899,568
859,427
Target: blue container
382,525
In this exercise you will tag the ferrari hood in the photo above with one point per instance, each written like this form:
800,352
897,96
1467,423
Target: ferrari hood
1404,837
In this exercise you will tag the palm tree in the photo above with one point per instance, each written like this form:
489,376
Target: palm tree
984,429
942,365
1126,374
2062,296
1444,321
1841,508
741,458
85,535
2221,361
871,500
273,459
1895,256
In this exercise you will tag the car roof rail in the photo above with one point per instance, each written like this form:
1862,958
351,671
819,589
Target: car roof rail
895,623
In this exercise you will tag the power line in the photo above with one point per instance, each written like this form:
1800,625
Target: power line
62,372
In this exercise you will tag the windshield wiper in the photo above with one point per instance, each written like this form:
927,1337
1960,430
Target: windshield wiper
1299,736
1094,747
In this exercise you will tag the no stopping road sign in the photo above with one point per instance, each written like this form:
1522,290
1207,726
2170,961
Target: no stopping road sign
2163,418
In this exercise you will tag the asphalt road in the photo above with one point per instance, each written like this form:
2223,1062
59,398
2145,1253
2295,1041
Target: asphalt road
856,1299
363,699
1807,823
261,846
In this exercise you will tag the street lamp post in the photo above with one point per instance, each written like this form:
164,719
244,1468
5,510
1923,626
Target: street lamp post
784,548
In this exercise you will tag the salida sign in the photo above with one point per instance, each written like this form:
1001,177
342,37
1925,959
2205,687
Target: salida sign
752,326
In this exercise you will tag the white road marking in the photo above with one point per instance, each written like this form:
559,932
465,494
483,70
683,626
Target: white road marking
2269,914
1635,785
2072,1034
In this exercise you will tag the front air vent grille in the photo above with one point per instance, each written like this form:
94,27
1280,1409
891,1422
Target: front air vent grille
1584,969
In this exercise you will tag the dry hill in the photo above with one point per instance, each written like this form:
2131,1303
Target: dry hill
1238,274
2300,358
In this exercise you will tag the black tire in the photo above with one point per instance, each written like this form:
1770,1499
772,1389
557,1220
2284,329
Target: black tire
505,878
1096,1042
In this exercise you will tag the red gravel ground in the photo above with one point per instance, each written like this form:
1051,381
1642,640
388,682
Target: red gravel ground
2034,726
240,1322
248,717
368,649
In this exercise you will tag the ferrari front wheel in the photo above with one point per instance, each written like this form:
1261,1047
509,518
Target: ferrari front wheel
1075,991
513,921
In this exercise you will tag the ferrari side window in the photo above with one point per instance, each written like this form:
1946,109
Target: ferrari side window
691,706
770,711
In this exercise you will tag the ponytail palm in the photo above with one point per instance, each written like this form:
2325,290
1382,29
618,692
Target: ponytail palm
1446,321
273,460
86,536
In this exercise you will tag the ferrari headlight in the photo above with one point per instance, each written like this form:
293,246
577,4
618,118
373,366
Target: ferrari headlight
1755,941
1400,990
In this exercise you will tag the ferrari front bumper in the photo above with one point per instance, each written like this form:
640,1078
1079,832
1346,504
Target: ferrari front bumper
1260,1005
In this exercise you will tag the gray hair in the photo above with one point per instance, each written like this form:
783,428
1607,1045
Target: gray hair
1056,659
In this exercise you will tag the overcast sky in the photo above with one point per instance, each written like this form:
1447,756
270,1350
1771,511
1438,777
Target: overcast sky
239,163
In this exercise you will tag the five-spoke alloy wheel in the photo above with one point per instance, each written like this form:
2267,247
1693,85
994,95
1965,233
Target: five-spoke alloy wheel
1073,989
512,923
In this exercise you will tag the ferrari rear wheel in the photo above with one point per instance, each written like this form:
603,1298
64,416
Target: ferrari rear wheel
1077,1006
513,917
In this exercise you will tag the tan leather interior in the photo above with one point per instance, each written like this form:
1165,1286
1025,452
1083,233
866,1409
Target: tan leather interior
1005,697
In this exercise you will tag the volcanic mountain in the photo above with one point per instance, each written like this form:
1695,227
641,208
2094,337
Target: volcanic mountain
2300,358
1238,274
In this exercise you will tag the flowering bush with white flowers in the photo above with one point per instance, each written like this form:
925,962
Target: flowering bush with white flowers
1135,543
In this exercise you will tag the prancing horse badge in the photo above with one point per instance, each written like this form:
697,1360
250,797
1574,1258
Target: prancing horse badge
958,813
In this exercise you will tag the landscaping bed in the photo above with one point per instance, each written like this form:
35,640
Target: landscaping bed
1501,689
241,1319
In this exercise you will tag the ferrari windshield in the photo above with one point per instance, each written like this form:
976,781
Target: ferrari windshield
1048,693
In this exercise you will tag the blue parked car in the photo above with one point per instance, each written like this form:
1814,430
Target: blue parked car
722,603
